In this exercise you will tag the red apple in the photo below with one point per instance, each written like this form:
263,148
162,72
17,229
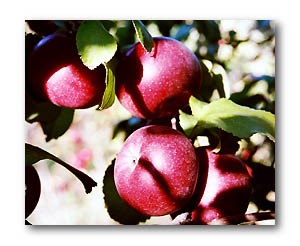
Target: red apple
56,73
227,190
156,84
156,170
32,190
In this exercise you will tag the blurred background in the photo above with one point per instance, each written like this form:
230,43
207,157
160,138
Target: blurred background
241,51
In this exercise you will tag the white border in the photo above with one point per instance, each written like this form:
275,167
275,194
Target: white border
12,118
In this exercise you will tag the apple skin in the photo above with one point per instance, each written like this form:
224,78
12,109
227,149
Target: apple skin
227,190
33,189
57,74
156,170
156,84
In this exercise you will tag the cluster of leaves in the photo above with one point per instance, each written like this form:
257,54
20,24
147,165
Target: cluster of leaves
224,121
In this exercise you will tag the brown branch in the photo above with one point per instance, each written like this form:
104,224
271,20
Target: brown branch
243,218
229,220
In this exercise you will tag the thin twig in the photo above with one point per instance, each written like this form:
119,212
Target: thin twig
243,218
250,218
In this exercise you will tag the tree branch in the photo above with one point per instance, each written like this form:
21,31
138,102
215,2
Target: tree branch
230,220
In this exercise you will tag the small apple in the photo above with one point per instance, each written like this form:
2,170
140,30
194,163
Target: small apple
32,190
57,74
156,84
228,187
156,170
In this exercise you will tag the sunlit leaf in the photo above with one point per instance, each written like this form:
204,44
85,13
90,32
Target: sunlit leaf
239,120
95,44
187,122
109,93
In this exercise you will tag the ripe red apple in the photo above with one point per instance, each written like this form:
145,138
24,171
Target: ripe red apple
156,84
227,190
56,73
156,170
32,190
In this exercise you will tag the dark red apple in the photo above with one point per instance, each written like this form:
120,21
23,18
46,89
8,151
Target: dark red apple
56,73
32,190
156,170
228,187
156,84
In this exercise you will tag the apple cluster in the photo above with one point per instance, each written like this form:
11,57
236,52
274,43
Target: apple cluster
158,171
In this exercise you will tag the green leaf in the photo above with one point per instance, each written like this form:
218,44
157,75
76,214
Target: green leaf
183,32
54,120
109,93
60,125
117,209
40,111
128,126
95,44
34,154
196,105
187,122
207,86
143,35
239,120
218,81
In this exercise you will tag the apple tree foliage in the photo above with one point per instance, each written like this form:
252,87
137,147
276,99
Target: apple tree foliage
224,120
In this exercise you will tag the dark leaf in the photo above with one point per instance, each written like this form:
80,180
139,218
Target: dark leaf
166,25
217,79
183,32
263,183
34,154
143,35
207,86
60,125
128,126
122,34
210,29
54,120
116,207
42,27
228,143
40,111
